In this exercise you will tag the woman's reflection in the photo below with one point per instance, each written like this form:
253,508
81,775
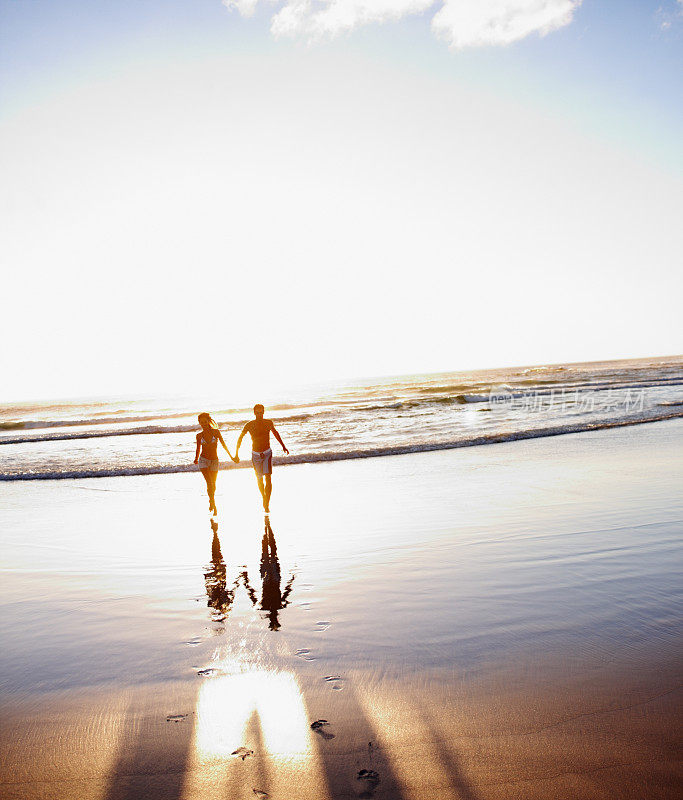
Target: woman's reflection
220,598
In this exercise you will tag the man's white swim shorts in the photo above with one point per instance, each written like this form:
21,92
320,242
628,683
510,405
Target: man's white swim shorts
263,461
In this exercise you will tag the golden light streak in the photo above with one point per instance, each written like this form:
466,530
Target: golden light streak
262,710
226,704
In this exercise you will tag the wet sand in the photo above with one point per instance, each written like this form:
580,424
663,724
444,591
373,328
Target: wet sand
496,622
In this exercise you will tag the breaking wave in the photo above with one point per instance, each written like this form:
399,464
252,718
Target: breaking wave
314,457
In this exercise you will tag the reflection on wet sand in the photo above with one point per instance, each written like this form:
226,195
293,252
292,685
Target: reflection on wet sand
251,725
273,600
253,730
220,596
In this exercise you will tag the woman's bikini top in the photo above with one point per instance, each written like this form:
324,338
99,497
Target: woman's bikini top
210,446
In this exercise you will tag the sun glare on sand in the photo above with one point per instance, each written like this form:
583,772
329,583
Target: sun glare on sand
263,711
226,704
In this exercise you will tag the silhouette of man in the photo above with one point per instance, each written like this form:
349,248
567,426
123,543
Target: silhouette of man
261,455
273,599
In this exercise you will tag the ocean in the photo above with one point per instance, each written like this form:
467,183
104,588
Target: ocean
102,437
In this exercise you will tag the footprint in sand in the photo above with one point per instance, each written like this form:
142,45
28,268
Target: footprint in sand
319,727
193,642
305,654
208,671
242,752
322,626
260,794
370,780
175,717
335,681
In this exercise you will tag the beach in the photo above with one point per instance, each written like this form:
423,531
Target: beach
492,622
341,400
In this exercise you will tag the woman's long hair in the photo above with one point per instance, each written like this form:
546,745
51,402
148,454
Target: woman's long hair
212,423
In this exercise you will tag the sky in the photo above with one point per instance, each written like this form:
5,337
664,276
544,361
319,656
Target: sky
275,192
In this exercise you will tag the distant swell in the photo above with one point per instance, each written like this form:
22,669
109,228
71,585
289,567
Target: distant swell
62,437
149,429
309,458
30,424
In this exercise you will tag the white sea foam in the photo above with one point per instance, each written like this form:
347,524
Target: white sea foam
344,455
385,417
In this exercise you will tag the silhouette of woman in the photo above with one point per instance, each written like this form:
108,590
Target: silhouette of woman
207,445
220,598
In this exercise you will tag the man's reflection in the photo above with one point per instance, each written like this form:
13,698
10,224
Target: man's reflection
272,598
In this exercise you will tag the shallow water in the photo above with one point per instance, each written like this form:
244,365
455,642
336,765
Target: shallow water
453,559
131,436
461,624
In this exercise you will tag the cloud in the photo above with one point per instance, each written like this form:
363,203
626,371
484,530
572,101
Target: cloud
245,7
328,18
474,23
461,23
667,16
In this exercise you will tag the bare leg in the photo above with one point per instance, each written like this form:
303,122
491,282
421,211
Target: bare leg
209,487
213,476
261,489
266,496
